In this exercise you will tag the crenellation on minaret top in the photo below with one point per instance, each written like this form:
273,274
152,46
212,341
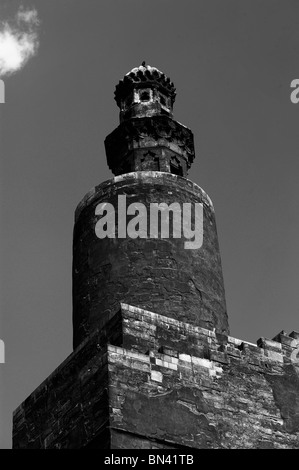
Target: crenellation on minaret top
144,91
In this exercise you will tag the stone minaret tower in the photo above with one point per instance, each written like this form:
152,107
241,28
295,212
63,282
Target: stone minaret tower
150,154
153,365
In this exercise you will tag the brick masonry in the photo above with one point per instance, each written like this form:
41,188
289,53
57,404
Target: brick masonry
148,381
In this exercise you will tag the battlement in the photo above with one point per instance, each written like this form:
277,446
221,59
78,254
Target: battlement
145,330
145,377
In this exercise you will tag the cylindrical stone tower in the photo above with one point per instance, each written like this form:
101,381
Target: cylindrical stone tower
120,252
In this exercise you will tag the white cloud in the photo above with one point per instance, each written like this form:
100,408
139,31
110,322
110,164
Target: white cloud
18,41
28,16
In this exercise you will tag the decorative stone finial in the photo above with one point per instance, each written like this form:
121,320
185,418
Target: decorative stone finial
144,91
148,138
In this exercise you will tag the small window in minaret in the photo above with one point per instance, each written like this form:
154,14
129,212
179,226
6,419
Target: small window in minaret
145,96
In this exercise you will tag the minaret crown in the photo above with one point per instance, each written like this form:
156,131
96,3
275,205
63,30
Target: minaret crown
143,92
148,138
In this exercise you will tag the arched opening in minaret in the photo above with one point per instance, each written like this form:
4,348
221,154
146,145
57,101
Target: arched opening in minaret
145,96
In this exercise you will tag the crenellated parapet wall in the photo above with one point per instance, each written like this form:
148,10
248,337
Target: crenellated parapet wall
150,381
197,388
166,334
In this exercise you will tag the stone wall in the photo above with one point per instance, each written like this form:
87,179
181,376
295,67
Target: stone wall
153,273
166,384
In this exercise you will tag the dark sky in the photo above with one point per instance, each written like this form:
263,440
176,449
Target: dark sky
232,62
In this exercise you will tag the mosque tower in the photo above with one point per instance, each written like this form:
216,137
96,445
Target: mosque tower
150,154
153,365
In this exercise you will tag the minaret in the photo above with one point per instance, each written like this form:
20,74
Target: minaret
153,365
150,153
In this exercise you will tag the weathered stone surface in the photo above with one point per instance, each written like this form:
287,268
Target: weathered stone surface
153,273
148,138
153,365
155,143
172,395
129,93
